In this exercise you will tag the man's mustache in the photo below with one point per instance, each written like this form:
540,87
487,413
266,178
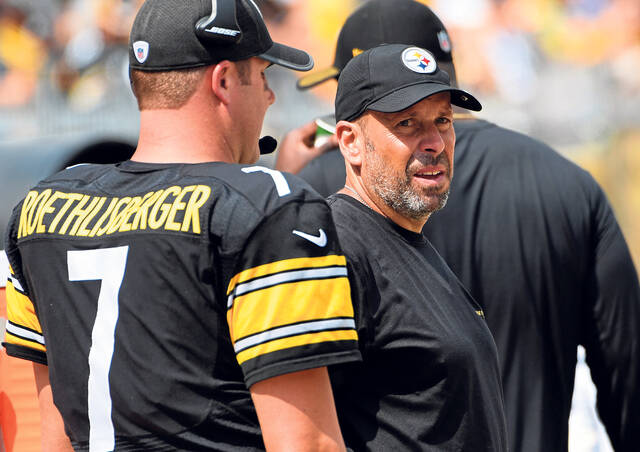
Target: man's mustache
429,160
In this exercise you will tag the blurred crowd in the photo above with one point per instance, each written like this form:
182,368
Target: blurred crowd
563,70
63,66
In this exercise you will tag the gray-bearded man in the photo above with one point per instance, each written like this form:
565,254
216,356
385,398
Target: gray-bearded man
429,379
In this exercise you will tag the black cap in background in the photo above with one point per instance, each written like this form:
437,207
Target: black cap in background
386,22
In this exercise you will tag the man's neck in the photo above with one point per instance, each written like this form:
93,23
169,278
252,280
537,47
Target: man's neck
356,189
171,136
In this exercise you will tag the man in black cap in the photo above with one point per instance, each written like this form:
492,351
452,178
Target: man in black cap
375,22
185,299
429,376
534,239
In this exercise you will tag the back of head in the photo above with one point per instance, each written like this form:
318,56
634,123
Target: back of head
387,22
182,35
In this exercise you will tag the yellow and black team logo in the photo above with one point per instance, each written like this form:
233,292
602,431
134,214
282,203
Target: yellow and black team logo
75,214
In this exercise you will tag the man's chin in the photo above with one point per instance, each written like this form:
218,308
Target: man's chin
433,190
435,201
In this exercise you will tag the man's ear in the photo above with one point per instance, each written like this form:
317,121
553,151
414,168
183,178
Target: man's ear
351,142
221,81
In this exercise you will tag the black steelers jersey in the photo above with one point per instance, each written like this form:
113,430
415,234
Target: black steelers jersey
158,293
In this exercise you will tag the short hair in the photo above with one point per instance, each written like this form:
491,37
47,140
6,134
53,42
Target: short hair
165,89
244,71
172,89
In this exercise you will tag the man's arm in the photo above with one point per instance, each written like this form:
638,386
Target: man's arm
297,412
298,148
613,333
54,438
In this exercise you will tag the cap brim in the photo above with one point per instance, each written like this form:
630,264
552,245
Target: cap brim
405,97
289,57
311,80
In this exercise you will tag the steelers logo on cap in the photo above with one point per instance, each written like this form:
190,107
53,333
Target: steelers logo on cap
419,60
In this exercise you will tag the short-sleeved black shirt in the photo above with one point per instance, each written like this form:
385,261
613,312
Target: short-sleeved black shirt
429,378
158,294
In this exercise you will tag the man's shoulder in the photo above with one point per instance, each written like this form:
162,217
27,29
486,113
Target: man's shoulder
481,133
343,209
252,193
357,226
259,186
325,173
492,145
83,172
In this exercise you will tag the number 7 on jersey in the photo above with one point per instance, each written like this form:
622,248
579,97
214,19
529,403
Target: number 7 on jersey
107,265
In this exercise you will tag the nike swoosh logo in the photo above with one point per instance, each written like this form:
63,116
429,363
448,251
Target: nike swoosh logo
320,240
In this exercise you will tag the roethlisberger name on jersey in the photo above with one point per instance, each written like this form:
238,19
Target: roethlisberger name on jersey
174,208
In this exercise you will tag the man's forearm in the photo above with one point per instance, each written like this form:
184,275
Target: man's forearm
297,412
54,438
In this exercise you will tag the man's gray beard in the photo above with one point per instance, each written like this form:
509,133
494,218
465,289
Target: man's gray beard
398,193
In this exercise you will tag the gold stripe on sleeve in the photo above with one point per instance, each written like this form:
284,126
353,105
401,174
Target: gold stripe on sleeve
289,303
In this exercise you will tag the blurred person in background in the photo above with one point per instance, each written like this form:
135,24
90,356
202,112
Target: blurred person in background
90,51
534,239
23,52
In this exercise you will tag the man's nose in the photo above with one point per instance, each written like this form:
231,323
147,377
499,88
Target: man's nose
432,141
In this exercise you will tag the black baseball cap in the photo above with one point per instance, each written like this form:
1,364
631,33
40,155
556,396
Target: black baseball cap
391,78
386,22
179,34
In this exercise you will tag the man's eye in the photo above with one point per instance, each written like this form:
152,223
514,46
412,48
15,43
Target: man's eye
444,120
405,123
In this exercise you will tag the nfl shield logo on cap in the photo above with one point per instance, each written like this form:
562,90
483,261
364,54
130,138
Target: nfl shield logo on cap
419,60
141,51
443,40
